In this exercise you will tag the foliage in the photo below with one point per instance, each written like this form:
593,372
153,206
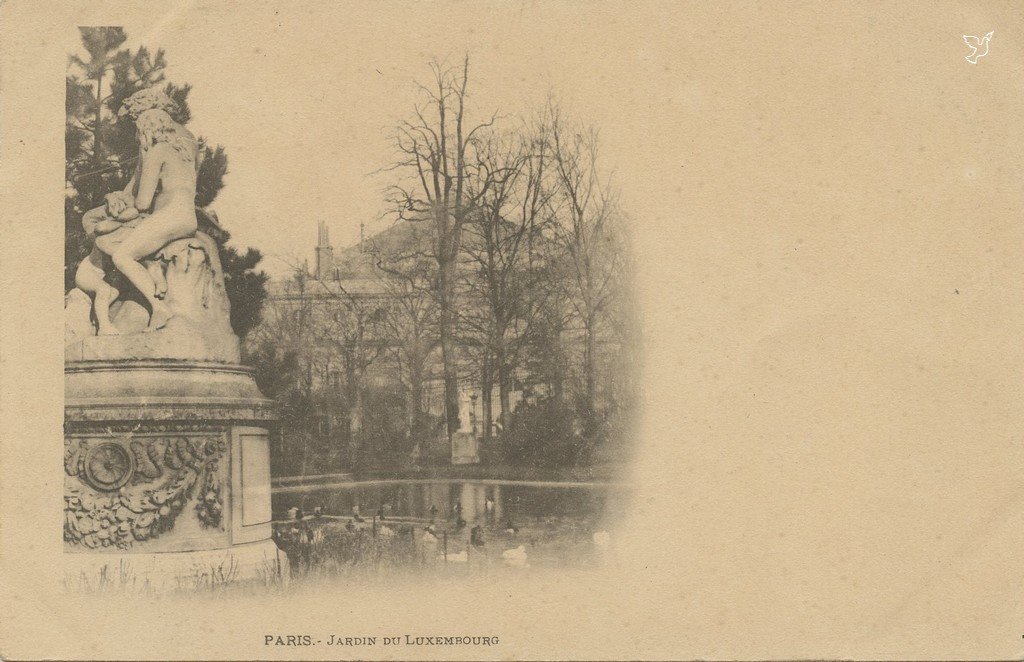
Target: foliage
384,439
299,447
274,369
212,169
543,434
245,286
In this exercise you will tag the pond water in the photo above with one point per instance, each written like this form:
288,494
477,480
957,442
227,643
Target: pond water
416,498
518,524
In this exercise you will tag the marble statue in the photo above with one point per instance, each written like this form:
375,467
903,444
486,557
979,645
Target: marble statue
157,207
150,270
166,435
167,461
90,277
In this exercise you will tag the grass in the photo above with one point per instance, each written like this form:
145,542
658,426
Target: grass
333,549
215,580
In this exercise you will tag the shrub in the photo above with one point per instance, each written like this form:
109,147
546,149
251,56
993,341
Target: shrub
543,434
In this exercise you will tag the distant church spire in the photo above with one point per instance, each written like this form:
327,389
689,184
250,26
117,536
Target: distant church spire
324,253
362,236
323,238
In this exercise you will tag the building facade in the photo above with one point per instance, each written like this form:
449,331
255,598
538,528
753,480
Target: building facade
361,336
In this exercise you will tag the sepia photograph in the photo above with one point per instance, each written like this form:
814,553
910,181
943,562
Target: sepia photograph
518,330
449,390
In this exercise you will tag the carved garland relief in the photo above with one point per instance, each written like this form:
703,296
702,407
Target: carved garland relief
121,491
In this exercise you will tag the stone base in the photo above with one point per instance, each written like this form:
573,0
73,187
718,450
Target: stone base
175,342
465,448
167,476
260,563
135,390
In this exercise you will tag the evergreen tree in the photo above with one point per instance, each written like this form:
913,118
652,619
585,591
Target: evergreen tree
101,154
245,286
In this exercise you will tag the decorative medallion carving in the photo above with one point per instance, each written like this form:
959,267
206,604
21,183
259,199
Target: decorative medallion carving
107,466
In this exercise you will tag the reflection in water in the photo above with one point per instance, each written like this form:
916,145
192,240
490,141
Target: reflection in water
408,499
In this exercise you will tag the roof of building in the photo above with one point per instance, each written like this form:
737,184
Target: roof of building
360,260
354,267
310,287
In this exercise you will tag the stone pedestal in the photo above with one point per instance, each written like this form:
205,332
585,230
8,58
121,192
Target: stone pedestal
167,475
166,437
465,448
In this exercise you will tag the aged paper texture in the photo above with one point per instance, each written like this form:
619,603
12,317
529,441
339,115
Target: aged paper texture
752,392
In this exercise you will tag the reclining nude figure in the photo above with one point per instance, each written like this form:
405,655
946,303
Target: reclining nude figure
164,185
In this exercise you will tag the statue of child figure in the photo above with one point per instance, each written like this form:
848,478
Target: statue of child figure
156,208
90,277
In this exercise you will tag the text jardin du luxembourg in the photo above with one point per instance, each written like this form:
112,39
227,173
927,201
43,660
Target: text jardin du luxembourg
399,640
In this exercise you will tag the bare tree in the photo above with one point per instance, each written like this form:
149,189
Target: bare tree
282,350
336,335
437,149
287,326
585,208
351,331
409,322
501,273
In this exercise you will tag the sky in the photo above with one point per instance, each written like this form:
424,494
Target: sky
303,100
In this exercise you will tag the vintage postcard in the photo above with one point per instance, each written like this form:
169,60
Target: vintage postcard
511,330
